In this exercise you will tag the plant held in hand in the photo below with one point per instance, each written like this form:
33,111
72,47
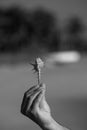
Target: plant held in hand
37,68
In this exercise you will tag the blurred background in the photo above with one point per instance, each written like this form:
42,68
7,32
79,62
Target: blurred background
55,31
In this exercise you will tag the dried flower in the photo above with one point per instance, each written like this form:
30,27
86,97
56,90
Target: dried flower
37,68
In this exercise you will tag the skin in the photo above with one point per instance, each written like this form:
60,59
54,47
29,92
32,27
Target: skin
35,107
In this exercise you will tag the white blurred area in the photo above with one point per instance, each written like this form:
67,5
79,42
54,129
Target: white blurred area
64,57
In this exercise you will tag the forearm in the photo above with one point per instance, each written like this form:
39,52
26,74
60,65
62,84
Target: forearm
54,126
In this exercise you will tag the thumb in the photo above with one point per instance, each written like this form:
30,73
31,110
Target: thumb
44,91
43,102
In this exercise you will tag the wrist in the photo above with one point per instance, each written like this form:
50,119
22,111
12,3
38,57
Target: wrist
53,125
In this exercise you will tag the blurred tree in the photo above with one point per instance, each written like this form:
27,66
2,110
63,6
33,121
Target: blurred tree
74,30
13,29
45,29
24,28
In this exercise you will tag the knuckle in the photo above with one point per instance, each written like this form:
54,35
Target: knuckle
26,112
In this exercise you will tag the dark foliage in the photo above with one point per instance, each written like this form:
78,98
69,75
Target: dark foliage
75,26
45,29
13,29
74,30
20,29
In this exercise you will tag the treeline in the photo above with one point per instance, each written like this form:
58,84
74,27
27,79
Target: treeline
22,29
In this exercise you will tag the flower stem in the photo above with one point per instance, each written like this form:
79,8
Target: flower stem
39,76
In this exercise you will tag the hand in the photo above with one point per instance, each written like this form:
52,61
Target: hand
35,107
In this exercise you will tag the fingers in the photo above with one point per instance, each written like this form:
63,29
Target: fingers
32,98
26,95
38,98
32,89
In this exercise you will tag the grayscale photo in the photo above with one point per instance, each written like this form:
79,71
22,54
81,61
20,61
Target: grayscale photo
43,65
